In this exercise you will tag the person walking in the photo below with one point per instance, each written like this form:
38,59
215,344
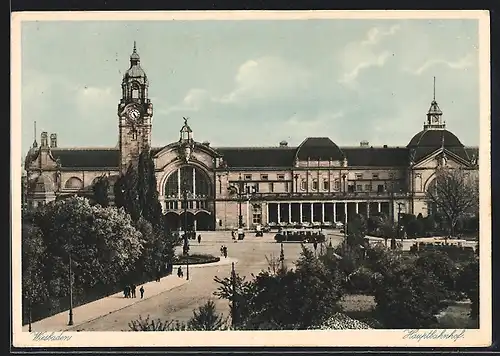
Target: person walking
224,251
142,291
127,292
199,239
133,290
179,272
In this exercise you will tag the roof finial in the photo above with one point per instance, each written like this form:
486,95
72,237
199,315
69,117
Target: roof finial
434,96
35,144
135,47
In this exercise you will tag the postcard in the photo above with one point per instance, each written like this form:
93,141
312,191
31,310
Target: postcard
251,178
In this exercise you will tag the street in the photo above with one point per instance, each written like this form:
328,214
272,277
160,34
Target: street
178,303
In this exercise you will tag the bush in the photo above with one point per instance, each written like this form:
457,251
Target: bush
156,325
361,281
206,318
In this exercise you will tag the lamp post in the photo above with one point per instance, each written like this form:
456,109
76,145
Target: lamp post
399,216
186,242
70,273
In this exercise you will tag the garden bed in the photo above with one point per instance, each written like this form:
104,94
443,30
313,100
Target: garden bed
196,259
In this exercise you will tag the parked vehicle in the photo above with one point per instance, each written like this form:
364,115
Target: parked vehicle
300,235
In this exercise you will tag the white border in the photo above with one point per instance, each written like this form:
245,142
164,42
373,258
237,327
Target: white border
480,337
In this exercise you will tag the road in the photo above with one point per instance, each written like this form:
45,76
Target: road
178,303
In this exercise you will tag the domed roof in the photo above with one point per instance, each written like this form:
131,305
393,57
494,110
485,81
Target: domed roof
319,148
427,141
135,70
435,138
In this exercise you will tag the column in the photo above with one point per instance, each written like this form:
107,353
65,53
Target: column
279,213
300,212
357,207
322,212
248,216
194,183
289,212
178,183
312,212
379,207
334,212
194,229
367,209
267,213
345,213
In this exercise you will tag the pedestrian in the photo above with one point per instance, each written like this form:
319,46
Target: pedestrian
199,239
127,292
225,251
222,250
142,291
232,234
133,290
179,272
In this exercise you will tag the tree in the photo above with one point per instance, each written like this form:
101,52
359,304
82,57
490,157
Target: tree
206,318
290,299
100,189
33,249
147,192
126,193
455,194
468,282
408,298
103,244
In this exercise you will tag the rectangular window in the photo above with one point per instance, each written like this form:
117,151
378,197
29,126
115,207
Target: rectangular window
303,184
271,187
337,184
359,175
325,185
255,188
315,185
368,187
350,188
281,177
359,188
248,177
375,176
257,218
264,177
380,188
391,175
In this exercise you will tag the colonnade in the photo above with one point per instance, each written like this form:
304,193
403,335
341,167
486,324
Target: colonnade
299,212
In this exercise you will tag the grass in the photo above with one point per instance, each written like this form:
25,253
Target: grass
360,307
197,259
456,316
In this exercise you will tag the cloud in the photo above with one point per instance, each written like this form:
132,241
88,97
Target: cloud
297,124
194,100
89,99
462,63
359,56
265,78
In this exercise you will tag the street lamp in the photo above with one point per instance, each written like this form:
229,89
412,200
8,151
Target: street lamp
70,273
399,216
186,242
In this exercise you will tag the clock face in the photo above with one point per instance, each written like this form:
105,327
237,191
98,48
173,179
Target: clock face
134,114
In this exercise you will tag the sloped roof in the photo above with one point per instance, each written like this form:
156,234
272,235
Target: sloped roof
258,157
376,156
87,158
319,148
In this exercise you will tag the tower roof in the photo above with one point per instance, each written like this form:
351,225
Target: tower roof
135,71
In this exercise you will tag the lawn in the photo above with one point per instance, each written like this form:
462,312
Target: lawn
361,307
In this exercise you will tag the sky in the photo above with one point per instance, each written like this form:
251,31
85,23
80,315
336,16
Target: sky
253,83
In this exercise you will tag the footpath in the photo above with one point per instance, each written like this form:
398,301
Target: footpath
113,303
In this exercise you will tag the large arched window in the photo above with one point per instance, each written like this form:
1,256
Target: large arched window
135,91
74,183
190,179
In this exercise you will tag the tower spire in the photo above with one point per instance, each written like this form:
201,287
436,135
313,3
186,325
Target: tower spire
35,144
135,50
433,98
434,119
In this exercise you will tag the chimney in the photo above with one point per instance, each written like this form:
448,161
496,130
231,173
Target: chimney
364,143
44,140
283,144
53,140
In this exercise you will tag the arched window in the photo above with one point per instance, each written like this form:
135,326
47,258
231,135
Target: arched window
303,184
74,183
135,91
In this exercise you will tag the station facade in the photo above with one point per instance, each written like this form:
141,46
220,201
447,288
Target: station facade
315,182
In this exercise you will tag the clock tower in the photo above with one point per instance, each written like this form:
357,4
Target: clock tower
135,113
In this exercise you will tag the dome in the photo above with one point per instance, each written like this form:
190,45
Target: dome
434,139
427,141
319,148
